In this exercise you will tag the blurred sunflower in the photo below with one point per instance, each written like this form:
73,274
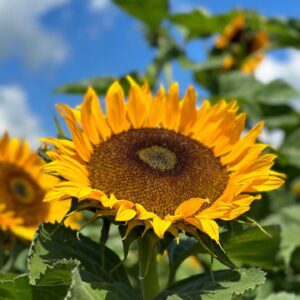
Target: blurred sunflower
159,161
244,46
22,189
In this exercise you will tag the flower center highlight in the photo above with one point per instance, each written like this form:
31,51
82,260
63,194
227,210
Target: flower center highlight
156,167
158,157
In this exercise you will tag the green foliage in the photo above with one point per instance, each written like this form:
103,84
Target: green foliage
251,246
140,9
59,258
290,150
240,245
244,87
20,289
288,219
199,23
282,295
218,285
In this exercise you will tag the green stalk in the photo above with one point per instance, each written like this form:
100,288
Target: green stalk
148,274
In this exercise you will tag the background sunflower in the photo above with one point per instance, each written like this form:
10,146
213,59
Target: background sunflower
22,190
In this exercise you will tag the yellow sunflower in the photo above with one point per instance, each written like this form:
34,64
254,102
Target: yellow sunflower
22,189
231,32
252,45
159,161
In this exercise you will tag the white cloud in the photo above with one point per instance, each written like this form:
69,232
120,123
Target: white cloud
16,116
287,69
99,5
23,35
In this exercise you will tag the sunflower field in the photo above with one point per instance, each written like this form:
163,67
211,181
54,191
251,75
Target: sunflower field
152,192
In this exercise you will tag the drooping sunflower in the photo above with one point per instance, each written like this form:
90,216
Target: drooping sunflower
244,46
22,190
159,161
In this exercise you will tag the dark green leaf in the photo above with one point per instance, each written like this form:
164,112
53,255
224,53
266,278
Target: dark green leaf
223,285
177,253
20,289
242,244
56,251
283,32
151,12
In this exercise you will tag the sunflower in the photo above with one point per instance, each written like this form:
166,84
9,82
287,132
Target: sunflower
22,189
251,45
160,162
232,32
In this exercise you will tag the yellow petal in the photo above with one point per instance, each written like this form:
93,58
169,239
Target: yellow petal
116,114
188,111
81,142
88,120
156,109
142,213
171,108
125,214
137,109
210,227
160,226
190,207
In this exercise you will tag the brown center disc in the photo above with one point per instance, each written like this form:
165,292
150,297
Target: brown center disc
157,168
21,194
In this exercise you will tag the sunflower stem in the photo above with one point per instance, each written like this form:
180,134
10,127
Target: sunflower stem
103,238
148,274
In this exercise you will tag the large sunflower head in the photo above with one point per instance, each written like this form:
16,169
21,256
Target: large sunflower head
22,190
159,161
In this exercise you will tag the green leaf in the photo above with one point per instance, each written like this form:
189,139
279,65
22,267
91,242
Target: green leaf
200,24
283,32
285,121
283,295
276,92
238,85
99,84
174,297
288,219
20,289
223,285
151,12
177,253
83,290
212,63
57,251
241,244
290,149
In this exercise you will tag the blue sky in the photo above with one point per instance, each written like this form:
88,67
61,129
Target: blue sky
56,41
